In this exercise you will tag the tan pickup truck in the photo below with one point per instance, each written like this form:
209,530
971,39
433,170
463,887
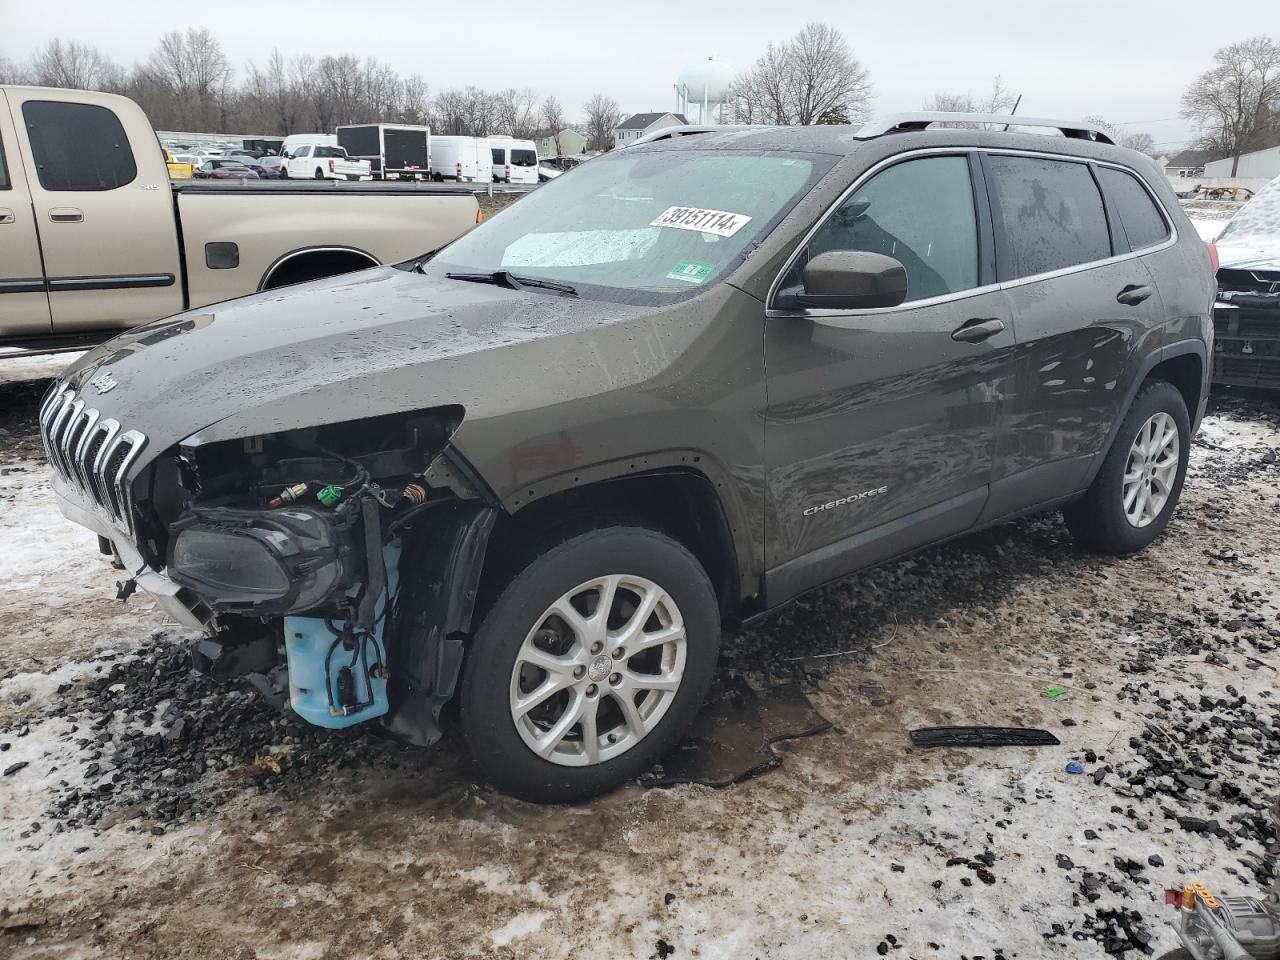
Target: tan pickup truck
94,238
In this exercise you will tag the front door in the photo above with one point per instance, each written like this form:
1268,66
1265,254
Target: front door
24,304
881,424
103,208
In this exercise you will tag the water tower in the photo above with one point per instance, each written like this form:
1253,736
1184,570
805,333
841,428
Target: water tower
704,85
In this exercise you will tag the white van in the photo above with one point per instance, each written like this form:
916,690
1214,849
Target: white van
514,161
293,142
465,159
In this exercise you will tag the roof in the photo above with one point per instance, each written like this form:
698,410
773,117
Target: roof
642,121
1190,158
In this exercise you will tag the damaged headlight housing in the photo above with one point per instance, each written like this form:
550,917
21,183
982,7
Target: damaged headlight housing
265,562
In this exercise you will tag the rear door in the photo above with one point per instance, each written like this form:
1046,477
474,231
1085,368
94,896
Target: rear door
1082,304
103,208
881,425
24,304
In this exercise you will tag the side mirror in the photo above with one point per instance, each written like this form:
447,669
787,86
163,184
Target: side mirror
849,280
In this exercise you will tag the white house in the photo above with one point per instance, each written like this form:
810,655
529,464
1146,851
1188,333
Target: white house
638,124
1259,164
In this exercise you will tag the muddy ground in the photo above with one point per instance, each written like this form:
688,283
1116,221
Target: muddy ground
145,812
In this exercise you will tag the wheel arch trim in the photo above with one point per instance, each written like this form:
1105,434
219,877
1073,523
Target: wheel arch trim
285,258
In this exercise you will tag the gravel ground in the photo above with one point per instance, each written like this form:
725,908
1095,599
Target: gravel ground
146,812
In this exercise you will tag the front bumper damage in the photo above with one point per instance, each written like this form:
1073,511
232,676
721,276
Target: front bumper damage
1246,320
397,661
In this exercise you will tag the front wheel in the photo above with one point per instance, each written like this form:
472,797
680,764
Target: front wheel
1130,501
590,664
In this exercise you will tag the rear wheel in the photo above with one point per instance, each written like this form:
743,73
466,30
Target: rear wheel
319,174
590,664
1130,501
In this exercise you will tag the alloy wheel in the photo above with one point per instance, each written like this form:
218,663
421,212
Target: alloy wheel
1151,470
598,671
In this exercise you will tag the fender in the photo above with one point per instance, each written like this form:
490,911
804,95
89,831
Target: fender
281,260
1181,348
748,550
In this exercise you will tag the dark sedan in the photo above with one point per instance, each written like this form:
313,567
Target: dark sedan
218,169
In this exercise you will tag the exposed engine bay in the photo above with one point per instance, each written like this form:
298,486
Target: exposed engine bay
334,565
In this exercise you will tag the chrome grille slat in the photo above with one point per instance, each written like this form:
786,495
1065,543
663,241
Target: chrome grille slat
91,452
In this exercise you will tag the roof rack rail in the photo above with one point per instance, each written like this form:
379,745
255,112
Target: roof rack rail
684,130
903,122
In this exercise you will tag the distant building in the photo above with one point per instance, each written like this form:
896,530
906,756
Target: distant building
567,143
1257,164
638,124
1186,164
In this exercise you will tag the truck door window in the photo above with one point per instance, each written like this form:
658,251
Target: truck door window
1048,215
78,146
920,213
4,170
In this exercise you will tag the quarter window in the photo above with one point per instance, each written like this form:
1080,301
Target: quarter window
920,213
1048,215
1139,218
4,170
78,146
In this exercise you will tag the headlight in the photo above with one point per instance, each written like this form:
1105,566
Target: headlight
265,561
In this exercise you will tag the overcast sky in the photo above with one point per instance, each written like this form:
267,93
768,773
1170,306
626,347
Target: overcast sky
1126,61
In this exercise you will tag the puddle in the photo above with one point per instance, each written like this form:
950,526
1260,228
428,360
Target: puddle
732,737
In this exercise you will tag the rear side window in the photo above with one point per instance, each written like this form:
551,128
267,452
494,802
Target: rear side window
4,170
1139,218
1048,215
920,213
331,152
78,146
499,156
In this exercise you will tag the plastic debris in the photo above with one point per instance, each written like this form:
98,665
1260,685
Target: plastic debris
1054,692
1075,766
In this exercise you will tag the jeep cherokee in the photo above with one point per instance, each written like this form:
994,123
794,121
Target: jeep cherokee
537,468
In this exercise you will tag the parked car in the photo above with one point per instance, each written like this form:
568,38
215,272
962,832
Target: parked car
274,167
322,162
178,169
94,238
514,161
464,159
1246,316
217,168
254,164
360,489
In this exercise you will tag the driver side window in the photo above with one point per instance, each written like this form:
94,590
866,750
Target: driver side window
919,212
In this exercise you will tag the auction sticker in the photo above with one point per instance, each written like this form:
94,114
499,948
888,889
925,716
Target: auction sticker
720,222
690,272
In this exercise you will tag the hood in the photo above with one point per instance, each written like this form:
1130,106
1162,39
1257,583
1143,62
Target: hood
1251,240
378,341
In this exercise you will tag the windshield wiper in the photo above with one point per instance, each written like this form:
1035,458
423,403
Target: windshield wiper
505,278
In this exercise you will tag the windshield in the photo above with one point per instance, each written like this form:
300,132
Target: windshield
523,158
1258,222
643,227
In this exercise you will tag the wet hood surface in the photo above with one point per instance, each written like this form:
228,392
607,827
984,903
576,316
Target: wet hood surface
365,344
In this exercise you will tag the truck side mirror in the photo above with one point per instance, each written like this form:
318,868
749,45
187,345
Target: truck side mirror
848,280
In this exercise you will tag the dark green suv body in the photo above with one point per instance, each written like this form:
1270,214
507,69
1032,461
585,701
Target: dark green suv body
685,382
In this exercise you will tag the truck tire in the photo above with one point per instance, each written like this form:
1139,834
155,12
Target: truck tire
559,702
1129,503
319,174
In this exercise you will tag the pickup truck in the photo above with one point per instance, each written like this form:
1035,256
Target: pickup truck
321,162
94,238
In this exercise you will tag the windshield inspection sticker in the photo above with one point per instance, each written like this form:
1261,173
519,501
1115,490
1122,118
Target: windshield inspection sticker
720,222
690,272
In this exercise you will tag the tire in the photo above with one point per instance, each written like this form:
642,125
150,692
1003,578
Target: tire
1103,519
319,174
521,624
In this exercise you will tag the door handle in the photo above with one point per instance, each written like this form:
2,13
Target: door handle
977,329
1133,294
6,216
66,214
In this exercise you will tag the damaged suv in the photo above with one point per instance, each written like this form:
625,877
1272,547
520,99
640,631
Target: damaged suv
536,469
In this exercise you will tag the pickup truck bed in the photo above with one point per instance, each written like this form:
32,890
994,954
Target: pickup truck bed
95,238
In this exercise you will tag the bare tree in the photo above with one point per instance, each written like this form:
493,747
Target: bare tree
72,64
1236,105
515,111
11,73
552,115
1134,140
603,116
998,100
415,105
811,78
